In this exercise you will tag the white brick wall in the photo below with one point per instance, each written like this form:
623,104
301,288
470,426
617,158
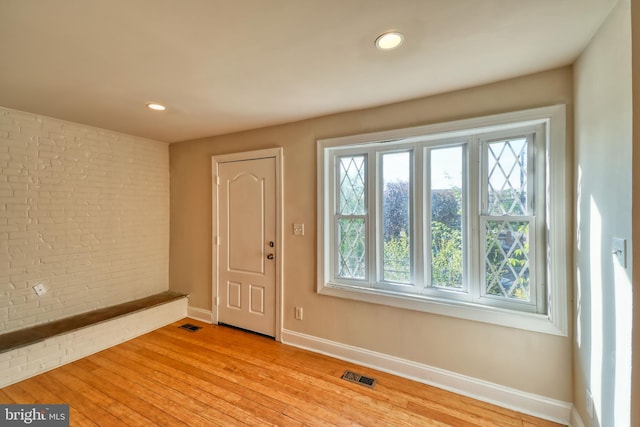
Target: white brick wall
84,211
19,364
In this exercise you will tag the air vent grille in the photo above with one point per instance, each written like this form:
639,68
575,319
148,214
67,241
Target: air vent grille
189,327
358,379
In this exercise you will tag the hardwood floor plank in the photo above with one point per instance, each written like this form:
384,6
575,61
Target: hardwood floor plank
529,421
209,397
222,376
97,413
234,372
96,395
165,397
76,418
42,395
37,393
86,364
115,391
4,398
207,391
18,394
231,389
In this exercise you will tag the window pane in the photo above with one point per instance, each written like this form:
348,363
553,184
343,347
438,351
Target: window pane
351,178
396,176
351,248
446,217
507,173
507,259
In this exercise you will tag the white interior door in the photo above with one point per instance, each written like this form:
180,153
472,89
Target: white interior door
247,244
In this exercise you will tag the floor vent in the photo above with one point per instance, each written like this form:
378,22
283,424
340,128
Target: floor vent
189,327
358,379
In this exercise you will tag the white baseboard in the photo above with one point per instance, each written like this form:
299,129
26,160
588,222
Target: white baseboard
576,420
200,314
25,362
528,403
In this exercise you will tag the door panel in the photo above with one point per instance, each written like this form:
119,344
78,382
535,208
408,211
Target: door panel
233,294
246,196
256,296
247,228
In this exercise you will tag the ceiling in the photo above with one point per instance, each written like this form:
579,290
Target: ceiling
222,66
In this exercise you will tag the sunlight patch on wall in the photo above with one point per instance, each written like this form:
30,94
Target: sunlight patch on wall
623,322
578,287
596,321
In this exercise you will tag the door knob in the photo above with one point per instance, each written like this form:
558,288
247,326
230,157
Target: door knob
270,256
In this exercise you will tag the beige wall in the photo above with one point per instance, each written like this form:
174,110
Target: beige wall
528,361
83,211
603,141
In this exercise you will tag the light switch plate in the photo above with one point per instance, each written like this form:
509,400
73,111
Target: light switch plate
619,250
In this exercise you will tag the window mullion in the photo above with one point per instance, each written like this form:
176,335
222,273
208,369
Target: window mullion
532,204
426,205
476,203
531,176
334,184
539,180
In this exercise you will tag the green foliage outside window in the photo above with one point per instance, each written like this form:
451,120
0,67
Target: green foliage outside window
446,250
397,253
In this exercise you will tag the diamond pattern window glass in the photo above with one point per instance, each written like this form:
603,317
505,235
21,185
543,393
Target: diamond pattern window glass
507,257
507,260
351,175
351,216
351,248
507,173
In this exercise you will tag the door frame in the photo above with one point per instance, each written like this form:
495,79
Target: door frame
277,154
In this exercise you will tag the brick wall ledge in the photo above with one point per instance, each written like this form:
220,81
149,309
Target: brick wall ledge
24,337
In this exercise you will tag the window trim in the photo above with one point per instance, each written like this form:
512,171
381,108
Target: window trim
556,320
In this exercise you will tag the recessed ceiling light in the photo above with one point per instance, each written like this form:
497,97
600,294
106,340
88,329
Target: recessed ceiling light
155,106
389,40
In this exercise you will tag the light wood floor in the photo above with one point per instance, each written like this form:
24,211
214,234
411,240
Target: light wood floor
222,376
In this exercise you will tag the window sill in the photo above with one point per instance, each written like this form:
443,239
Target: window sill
459,309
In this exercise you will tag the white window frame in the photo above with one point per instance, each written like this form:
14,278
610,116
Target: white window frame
553,219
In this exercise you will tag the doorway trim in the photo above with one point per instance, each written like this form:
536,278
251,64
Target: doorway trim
277,154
